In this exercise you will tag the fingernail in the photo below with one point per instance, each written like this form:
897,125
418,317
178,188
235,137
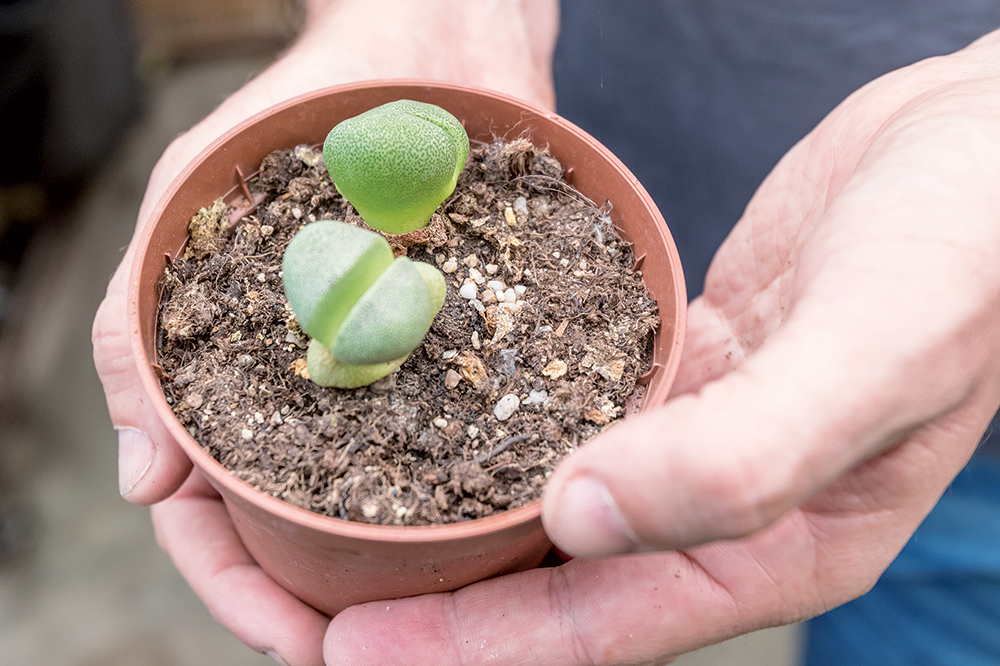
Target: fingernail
135,457
588,522
277,657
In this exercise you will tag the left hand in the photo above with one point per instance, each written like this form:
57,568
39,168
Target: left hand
841,367
501,44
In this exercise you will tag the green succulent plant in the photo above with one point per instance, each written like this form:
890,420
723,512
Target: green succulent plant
397,162
364,310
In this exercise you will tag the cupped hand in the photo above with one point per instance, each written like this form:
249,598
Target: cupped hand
506,46
840,369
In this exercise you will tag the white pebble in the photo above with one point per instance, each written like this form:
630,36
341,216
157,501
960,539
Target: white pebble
276,419
261,277
451,353
468,291
556,254
450,266
471,261
506,407
564,262
536,397
258,417
476,303
369,509
296,213
475,340
521,205
440,423
496,285
491,269
476,276
473,432
247,434
519,289
510,296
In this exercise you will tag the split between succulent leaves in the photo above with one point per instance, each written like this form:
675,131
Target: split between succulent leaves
364,310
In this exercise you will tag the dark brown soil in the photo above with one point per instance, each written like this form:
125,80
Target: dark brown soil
424,446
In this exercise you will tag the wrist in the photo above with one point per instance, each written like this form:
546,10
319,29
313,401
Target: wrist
505,45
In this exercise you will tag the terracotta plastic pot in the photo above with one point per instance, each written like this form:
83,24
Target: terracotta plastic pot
330,563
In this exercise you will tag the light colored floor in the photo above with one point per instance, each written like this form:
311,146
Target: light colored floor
98,591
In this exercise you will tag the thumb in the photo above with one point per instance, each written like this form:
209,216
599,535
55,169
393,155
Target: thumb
151,465
718,464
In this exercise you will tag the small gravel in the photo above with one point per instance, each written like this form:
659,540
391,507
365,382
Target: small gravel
506,407
468,291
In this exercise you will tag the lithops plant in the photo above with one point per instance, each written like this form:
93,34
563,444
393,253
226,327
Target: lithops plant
364,310
397,162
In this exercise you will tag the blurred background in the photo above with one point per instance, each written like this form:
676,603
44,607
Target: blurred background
91,92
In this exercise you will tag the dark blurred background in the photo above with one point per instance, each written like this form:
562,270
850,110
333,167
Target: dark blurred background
75,78
91,92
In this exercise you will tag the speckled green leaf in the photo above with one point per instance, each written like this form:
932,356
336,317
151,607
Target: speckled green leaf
397,162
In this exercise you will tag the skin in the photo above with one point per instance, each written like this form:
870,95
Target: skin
839,371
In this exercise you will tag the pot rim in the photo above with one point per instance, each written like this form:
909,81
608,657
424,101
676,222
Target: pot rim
218,474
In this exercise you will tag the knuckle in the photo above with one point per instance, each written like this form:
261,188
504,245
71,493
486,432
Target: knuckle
746,494
579,642
112,350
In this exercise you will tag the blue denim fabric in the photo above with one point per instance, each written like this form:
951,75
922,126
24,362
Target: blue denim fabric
938,604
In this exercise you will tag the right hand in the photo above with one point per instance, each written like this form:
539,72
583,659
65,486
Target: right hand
839,371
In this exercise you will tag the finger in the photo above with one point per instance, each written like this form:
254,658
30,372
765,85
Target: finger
731,459
579,613
631,610
151,465
194,528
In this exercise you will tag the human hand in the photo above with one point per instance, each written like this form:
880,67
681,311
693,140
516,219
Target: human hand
840,369
506,46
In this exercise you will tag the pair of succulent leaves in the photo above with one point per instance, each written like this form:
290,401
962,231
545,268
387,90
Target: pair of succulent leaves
364,310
